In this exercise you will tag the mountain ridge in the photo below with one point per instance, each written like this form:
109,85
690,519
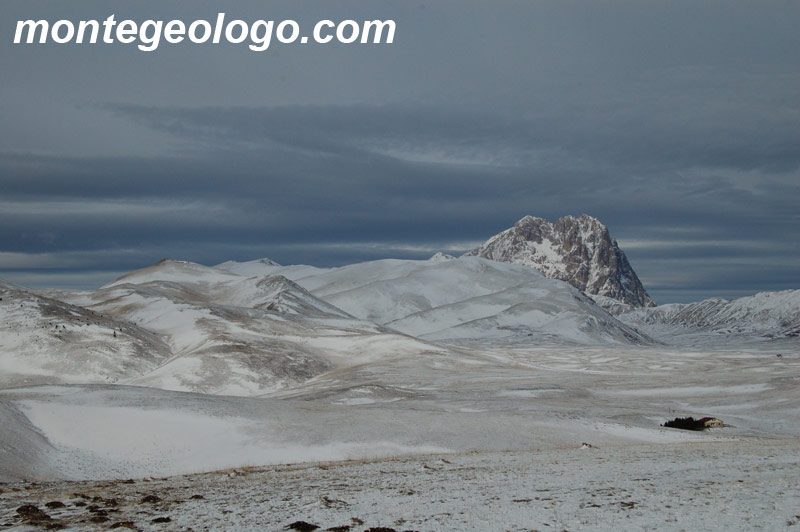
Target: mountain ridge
771,314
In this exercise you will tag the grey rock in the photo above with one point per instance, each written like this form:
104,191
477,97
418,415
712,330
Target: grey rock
579,251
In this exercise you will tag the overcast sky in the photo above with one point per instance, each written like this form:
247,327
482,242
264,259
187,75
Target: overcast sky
676,123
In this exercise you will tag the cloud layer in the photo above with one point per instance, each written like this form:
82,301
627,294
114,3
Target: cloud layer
676,125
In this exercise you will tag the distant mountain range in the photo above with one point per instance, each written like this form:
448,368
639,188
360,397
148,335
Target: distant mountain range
766,315
254,328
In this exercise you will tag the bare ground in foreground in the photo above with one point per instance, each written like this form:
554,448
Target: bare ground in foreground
729,485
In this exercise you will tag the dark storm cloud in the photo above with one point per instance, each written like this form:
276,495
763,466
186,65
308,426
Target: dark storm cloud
675,124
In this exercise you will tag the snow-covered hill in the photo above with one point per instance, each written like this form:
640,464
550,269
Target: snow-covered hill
216,349
267,267
532,312
258,327
44,340
183,326
577,250
238,335
203,285
470,298
765,315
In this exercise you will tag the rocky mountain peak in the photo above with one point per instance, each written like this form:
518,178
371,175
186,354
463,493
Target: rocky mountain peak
577,250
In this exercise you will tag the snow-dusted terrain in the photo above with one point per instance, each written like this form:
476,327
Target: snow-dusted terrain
765,315
460,299
507,398
236,335
535,400
45,340
738,486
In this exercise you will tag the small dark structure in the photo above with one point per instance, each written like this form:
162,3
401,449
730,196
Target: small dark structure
690,423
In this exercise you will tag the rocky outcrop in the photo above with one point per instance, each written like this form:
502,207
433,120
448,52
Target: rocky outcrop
579,251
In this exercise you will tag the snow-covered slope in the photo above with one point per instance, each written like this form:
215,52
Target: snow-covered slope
183,326
24,451
532,312
765,315
490,398
267,267
251,268
44,340
577,250
236,335
440,257
470,298
180,271
201,284
216,349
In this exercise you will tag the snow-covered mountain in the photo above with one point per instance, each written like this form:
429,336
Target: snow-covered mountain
258,327
201,284
262,267
577,250
766,314
182,326
236,335
470,298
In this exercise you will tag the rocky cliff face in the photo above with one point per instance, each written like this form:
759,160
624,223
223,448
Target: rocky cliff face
577,250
